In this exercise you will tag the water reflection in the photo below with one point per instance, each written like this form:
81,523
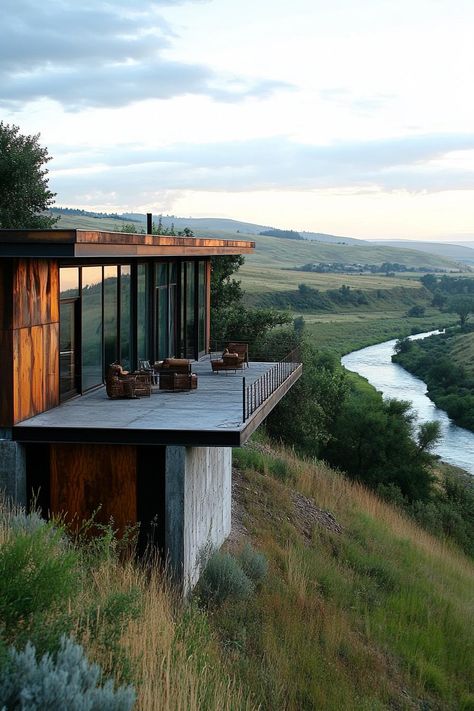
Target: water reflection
374,363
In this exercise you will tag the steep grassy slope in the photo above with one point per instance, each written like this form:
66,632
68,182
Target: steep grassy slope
361,609
462,351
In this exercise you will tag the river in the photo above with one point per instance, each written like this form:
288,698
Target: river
456,445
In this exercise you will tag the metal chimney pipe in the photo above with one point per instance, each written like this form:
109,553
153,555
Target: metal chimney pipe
149,223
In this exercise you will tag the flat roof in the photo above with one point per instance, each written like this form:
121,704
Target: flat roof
211,415
82,244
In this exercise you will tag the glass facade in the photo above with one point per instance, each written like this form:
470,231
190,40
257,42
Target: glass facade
91,333
127,313
143,311
111,352
125,317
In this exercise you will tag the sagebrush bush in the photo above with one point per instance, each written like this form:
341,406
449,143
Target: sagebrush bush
68,681
253,563
223,578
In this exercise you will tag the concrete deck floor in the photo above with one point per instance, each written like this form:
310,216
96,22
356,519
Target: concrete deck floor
214,407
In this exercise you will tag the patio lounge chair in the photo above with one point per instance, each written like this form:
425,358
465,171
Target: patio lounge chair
242,350
120,384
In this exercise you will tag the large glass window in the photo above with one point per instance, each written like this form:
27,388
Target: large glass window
143,311
68,337
202,308
67,349
190,310
173,306
69,282
161,309
91,327
125,317
110,316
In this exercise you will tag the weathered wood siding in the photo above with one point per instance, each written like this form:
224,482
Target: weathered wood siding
85,477
29,338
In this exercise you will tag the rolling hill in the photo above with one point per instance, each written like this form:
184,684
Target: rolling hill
278,253
459,252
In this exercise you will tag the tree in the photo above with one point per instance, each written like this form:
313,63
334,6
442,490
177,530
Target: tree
463,306
24,192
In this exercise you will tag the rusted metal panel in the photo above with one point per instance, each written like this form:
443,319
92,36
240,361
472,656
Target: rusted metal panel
35,370
35,292
88,478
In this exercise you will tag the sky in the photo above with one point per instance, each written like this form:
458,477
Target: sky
347,117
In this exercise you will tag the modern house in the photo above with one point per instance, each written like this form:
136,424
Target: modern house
71,303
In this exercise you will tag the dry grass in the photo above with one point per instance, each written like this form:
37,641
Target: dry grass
338,494
173,656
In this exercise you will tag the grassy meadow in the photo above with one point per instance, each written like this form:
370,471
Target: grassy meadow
346,332
462,351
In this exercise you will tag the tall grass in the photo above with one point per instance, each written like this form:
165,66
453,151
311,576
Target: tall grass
128,617
375,617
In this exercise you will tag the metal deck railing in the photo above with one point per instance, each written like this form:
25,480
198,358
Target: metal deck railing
255,394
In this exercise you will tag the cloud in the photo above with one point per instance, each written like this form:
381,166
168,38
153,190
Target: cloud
98,54
131,172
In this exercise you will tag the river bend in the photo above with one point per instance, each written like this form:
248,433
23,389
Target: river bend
456,445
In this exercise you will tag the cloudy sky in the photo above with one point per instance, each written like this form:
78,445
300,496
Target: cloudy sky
351,117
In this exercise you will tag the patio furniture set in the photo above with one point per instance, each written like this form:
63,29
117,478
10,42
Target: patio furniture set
172,374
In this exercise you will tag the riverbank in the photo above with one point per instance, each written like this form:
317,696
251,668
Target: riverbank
375,364
445,363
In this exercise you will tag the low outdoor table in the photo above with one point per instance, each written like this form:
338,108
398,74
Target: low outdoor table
178,381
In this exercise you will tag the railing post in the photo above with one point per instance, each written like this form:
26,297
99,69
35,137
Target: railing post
243,401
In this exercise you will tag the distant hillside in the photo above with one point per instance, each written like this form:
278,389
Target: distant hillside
275,252
321,237
89,222
458,252
208,224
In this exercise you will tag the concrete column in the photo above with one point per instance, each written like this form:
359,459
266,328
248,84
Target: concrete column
12,468
198,506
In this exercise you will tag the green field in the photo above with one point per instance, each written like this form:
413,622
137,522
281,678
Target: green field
462,351
257,279
273,251
79,222
343,333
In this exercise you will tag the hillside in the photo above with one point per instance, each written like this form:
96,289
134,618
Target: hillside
458,252
273,251
462,352
360,608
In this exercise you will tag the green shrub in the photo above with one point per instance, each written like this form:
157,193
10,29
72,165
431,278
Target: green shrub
280,470
223,578
38,569
253,563
67,681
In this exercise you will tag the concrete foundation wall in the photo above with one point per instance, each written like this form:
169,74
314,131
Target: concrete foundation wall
12,471
198,505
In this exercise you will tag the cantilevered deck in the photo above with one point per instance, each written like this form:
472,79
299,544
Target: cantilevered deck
211,415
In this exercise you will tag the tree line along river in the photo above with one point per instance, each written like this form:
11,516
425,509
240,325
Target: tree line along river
456,445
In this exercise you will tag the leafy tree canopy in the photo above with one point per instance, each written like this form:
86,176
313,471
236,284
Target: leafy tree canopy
24,192
463,306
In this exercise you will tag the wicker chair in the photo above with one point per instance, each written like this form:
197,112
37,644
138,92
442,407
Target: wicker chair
120,384
242,350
